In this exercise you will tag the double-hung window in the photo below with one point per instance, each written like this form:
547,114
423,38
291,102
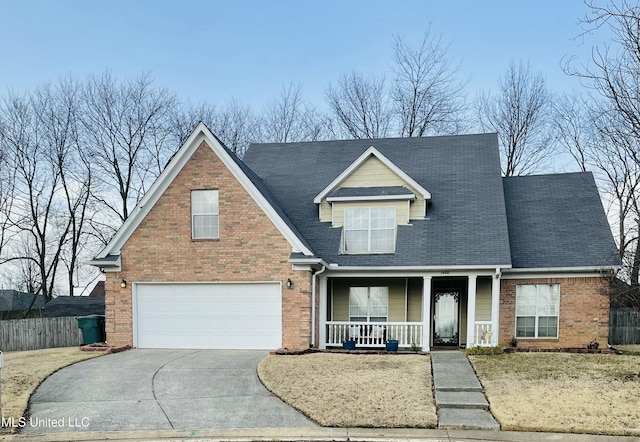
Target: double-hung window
369,229
368,304
537,308
204,214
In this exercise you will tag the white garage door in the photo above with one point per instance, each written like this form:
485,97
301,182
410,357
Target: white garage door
215,316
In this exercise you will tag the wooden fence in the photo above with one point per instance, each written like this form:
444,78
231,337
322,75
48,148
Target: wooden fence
36,333
624,326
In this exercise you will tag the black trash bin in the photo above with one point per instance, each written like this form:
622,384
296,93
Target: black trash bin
92,327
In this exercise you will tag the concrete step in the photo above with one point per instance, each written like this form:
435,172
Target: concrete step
461,399
469,388
466,419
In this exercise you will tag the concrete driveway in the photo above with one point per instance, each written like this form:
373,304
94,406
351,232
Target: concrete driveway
160,389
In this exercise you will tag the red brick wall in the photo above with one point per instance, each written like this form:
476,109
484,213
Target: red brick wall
584,312
250,248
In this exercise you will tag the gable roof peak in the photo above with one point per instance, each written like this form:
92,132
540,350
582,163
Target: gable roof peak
246,178
368,153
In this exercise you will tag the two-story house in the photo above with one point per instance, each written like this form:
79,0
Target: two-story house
303,245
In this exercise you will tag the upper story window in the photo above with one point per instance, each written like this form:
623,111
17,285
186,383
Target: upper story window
369,230
537,307
204,214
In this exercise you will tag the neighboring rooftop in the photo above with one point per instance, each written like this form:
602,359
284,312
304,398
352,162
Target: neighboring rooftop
74,306
16,300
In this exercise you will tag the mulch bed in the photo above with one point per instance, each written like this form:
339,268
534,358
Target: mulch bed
101,346
604,351
286,351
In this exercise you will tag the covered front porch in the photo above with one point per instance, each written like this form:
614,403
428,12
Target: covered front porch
421,312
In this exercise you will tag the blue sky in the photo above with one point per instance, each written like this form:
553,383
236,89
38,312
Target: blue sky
248,50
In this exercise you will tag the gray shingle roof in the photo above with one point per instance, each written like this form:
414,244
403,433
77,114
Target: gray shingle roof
466,224
558,221
15,300
265,191
74,306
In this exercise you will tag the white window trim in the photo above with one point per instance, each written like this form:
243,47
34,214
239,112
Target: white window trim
193,215
369,231
537,315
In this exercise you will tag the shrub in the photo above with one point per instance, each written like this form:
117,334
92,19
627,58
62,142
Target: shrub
484,351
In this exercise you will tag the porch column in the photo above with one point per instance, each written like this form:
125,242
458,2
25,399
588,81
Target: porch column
471,311
322,312
495,308
426,312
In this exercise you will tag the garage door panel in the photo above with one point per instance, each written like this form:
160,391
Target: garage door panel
222,316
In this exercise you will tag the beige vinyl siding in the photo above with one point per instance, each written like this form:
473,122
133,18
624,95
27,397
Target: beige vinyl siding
325,211
462,320
374,173
414,300
340,302
397,300
483,299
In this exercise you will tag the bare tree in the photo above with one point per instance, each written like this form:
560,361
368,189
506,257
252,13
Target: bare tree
58,116
37,213
427,97
360,106
187,116
593,136
615,72
289,119
128,126
572,127
622,175
234,124
237,127
7,187
518,113
613,75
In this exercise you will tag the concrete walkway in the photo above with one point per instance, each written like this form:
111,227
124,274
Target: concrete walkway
460,400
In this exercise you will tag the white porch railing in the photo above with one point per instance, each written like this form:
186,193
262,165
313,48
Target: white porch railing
374,334
483,334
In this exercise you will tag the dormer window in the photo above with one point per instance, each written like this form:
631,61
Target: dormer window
369,230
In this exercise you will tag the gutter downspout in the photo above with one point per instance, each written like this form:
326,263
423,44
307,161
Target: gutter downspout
313,305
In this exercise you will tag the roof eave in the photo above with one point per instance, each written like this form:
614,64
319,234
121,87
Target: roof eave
332,199
107,264
426,268
596,270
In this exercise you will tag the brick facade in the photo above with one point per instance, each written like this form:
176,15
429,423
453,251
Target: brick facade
584,312
250,248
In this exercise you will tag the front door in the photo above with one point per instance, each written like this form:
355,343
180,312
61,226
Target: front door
445,318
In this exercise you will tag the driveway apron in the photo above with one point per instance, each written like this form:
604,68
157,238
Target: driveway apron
160,389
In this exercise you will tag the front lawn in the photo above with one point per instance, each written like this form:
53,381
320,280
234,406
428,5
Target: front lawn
559,392
346,390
